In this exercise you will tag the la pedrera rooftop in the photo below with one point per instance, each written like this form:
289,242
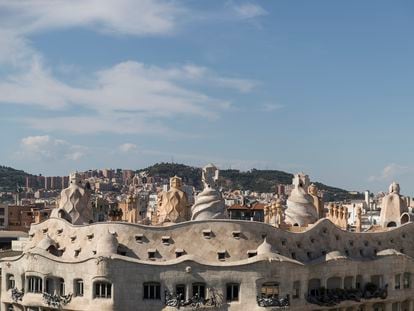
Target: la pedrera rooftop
195,258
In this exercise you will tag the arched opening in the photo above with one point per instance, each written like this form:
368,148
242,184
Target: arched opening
349,282
54,251
391,224
313,287
405,218
334,283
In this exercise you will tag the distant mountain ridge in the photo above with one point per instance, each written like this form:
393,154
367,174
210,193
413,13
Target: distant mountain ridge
11,178
254,180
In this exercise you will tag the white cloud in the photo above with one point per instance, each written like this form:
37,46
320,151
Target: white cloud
390,172
48,148
132,17
268,107
129,97
249,10
127,147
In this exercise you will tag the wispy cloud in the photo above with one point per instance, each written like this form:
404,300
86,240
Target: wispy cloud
390,172
248,10
49,148
132,17
268,107
128,148
128,97
119,97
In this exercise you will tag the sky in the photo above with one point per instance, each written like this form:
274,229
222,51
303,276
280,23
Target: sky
322,86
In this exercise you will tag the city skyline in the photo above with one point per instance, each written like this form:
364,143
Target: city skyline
318,87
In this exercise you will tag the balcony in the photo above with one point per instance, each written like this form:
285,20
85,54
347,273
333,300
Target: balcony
331,297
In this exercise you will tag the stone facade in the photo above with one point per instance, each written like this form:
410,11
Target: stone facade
208,264
234,265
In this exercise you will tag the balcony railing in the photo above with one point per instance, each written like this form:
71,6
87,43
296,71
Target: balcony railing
17,295
56,301
215,300
281,302
332,297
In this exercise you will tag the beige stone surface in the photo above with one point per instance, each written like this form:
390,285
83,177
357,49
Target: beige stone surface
300,208
209,204
74,202
322,252
173,204
394,206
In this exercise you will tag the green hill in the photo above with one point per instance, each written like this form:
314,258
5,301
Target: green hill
254,180
10,178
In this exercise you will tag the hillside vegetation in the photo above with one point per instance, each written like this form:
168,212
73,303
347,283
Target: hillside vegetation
10,178
254,180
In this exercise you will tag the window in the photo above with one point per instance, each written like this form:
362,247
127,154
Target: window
165,240
152,291
121,251
397,281
221,255
180,291
48,286
251,253
138,238
314,286
407,280
270,290
61,286
10,281
103,290
333,282
179,252
151,254
79,288
236,234
348,282
232,293
296,289
207,234
199,289
377,280
35,284
358,282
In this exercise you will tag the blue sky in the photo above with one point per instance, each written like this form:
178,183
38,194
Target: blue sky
324,87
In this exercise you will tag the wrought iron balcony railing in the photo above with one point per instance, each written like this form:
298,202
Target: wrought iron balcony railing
281,302
55,300
215,300
17,295
331,297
